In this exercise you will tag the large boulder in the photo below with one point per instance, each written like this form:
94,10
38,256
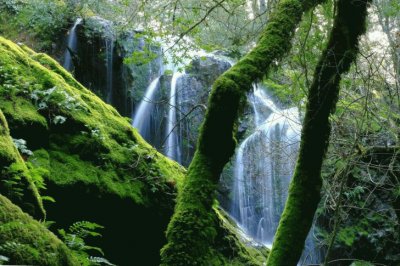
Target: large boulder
97,167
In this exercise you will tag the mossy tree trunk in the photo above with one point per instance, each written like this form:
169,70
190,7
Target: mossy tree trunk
191,232
304,191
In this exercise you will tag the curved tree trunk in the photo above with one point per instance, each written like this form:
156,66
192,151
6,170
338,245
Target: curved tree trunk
191,232
304,191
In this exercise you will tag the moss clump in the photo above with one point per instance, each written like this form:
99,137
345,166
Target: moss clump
235,248
16,181
26,241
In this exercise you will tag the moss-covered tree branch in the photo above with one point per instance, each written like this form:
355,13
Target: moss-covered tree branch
191,231
304,191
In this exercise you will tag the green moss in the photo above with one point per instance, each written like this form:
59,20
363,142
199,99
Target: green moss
235,248
52,65
26,241
8,152
93,144
193,223
196,221
16,181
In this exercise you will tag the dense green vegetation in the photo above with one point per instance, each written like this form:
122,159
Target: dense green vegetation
74,170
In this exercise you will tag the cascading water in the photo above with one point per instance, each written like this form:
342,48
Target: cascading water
71,46
172,148
109,60
142,116
263,167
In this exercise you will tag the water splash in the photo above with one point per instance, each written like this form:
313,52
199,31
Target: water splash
72,42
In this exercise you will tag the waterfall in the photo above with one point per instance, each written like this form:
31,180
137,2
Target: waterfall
71,46
109,61
263,167
141,119
172,149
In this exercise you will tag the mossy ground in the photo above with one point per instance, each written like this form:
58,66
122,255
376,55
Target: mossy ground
26,241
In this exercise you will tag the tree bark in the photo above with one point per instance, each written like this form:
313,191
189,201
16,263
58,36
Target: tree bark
191,232
305,188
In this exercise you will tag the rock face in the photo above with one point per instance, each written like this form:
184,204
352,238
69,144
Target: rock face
136,76
99,63
193,89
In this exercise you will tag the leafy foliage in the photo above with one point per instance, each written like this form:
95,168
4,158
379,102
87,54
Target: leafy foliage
75,237
21,146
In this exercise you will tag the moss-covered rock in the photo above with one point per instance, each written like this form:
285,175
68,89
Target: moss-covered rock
98,167
26,241
16,181
234,245
76,128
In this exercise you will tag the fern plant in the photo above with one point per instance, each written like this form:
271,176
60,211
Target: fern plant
12,181
75,237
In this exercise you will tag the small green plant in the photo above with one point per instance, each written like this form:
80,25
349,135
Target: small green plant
38,174
94,132
21,146
75,237
12,181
